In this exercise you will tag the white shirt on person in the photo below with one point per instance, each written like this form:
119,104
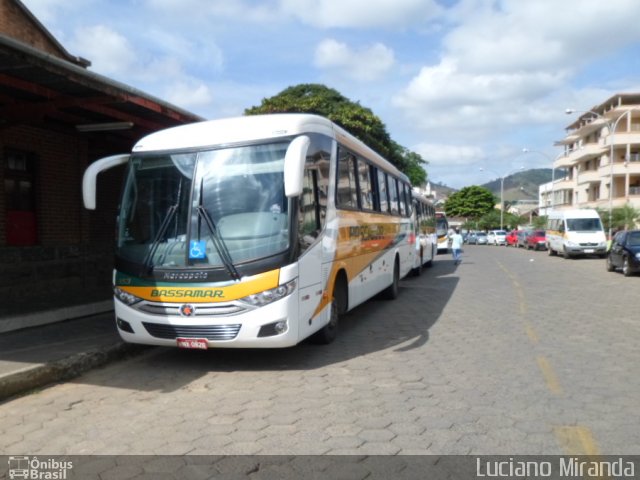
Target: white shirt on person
456,241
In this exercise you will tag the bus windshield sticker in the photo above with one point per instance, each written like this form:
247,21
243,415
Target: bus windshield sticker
197,249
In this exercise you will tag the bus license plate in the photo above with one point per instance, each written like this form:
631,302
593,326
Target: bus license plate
197,343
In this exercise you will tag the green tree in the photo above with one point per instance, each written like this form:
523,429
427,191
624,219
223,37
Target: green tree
471,202
540,223
622,218
353,117
489,220
625,217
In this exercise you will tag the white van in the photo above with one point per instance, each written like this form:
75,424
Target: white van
575,232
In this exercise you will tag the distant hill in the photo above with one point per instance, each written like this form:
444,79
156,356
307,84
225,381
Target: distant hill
443,190
521,185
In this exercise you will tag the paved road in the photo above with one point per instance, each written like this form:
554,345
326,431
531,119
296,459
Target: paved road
512,352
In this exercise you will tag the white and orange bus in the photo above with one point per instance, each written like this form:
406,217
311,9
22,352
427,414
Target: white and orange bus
424,219
255,231
442,232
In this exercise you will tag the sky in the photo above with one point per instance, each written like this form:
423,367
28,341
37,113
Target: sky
467,84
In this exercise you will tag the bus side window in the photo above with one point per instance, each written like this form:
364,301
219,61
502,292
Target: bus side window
393,195
315,191
407,200
347,190
309,216
382,191
366,196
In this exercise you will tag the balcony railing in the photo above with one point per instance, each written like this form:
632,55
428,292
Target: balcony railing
634,190
634,157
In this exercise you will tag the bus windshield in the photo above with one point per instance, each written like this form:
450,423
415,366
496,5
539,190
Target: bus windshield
584,224
213,208
441,226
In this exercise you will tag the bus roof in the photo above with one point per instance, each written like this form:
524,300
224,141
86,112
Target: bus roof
250,128
574,213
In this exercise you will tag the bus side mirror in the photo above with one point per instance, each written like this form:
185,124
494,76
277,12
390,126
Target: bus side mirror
294,161
91,174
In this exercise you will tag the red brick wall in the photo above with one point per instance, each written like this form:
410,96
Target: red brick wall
14,23
61,161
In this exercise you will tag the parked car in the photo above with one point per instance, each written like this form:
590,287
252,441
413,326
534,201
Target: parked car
497,237
536,240
481,238
512,238
521,242
625,252
472,239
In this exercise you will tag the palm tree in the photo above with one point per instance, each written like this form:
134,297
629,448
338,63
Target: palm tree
625,217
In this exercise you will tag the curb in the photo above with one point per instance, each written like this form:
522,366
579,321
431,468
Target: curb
36,319
37,376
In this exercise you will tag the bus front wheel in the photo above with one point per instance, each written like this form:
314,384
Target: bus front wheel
329,332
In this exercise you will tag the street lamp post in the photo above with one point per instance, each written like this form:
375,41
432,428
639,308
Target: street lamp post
611,125
553,173
501,190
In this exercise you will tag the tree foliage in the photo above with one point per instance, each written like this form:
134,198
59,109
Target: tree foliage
625,217
471,202
353,117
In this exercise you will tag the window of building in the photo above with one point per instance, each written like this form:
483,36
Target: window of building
19,179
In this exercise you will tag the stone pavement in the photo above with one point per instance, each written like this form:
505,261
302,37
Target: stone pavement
511,352
36,356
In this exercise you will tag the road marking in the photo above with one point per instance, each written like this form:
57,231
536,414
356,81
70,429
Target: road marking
549,375
576,440
531,333
522,301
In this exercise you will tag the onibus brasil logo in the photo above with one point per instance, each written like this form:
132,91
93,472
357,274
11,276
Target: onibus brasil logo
33,468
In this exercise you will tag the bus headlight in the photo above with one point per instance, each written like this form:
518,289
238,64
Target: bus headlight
269,296
125,297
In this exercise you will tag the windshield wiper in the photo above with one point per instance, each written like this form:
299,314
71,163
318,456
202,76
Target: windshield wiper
161,231
218,243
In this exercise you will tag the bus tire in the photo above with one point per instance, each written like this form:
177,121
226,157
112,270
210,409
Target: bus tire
550,251
391,292
565,254
329,332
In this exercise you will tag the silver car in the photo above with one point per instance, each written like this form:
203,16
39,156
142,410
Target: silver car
481,238
497,237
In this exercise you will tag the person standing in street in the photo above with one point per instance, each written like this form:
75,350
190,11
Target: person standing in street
456,246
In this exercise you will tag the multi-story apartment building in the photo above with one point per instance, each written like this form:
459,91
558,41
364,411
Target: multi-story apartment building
600,164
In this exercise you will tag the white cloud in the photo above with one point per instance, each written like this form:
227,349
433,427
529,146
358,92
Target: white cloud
361,13
188,10
504,62
545,34
447,155
366,64
189,95
442,96
110,52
